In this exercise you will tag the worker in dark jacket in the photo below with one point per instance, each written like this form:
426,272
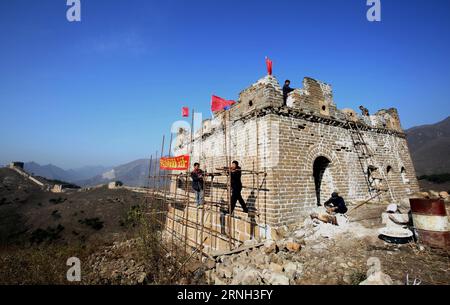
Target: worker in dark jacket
236,187
286,90
336,204
197,184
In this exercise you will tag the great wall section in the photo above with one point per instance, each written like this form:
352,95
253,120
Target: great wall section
293,157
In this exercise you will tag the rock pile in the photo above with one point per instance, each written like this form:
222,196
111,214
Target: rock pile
281,261
273,263
115,265
433,195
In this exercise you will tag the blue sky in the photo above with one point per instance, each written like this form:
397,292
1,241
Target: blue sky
104,90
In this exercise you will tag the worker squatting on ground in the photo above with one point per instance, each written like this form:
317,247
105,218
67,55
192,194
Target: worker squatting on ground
334,206
198,184
286,91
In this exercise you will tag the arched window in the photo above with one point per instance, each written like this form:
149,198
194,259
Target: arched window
388,170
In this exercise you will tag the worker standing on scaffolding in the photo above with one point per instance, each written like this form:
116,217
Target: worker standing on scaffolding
236,187
197,184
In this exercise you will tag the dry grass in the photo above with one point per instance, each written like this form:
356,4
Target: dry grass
39,265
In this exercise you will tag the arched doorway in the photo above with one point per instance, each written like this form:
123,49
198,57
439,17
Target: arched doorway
405,180
322,178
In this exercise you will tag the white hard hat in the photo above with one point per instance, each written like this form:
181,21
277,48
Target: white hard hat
392,208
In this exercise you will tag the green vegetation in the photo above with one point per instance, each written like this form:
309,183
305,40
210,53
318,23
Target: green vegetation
439,178
56,214
94,223
57,200
50,234
133,217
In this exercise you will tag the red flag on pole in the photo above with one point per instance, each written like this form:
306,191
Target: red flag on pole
269,65
218,103
185,112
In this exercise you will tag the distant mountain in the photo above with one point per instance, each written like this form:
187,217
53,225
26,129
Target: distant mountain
87,172
53,172
134,173
430,147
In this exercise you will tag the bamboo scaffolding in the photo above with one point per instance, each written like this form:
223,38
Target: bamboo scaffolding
168,202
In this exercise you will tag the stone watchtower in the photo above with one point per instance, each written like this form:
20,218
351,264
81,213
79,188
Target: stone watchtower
306,150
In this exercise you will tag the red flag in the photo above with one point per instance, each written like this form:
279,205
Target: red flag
185,112
218,103
269,65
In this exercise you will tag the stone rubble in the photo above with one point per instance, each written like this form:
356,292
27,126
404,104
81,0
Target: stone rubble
116,266
433,195
278,261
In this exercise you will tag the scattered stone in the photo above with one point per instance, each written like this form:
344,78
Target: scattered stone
444,195
274,267
259,258
224,271
279,233
290,269
209,264
278,279
142,277
270,246
249,276
293,246
434,194
299,234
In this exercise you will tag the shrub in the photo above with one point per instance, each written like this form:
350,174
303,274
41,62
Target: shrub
133,217
57,200
94,223
50,234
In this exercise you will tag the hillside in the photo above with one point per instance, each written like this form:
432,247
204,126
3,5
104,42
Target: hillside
430,147
29,214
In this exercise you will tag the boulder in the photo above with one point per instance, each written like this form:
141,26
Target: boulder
218,281
279,233
444,195
278,279
224,271
258,258
293,246
299,234
290,270
210,264
250,243
249,276
274,267
270,246
421,195
434,194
